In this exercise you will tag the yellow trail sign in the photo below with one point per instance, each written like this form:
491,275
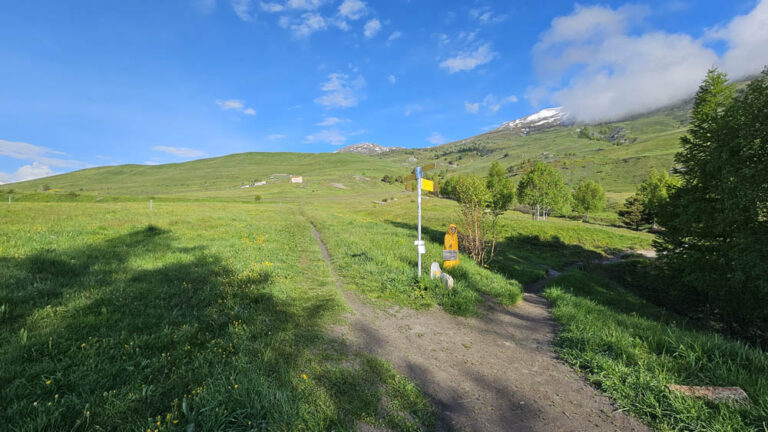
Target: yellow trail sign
427,185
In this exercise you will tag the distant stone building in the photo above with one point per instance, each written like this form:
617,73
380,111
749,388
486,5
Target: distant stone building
297,179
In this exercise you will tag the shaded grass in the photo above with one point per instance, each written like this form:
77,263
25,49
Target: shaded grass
196,316
632,350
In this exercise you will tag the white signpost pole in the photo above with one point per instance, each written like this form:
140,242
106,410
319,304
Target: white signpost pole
421,243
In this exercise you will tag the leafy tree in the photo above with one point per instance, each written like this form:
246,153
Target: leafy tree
45,188
502,195
589,197
473,197
654,192
633,214
501,188
542,189
716,220
448,186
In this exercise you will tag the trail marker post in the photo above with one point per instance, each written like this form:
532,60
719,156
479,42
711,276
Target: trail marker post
421,183
150,205
421,248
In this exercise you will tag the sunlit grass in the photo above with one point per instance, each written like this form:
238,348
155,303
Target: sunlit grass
210,315
633,350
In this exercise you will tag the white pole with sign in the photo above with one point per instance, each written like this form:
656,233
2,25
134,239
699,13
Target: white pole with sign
421,249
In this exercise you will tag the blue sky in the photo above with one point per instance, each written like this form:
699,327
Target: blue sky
88,83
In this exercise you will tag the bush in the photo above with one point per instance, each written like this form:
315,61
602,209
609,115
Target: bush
257,198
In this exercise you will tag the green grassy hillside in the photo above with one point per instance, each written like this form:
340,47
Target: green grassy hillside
651,142
222,177
648,141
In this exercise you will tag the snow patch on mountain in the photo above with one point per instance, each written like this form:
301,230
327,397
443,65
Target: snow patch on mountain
545,118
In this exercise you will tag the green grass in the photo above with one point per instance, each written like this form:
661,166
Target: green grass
632,350
221,177
213,315
374,254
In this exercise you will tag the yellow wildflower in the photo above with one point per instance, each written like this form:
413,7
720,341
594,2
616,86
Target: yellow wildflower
48,382
304,376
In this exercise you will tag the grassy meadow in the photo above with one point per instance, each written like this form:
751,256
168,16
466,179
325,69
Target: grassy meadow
214,314
211,311
193,316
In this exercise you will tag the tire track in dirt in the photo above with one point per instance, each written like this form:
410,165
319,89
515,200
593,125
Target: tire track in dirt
496,372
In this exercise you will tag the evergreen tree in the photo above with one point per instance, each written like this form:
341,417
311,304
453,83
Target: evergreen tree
633,214
716,221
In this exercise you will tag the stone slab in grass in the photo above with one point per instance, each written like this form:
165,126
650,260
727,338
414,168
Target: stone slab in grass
715,394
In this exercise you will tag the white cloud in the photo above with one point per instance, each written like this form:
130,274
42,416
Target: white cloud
329,121
330,136
490,102
610,72
304,4
352,9
472,108
179,151
436,139
236,105
486,16
309,23
204,6
469,59
395,36
392,79
33,153
230,104
27,172
242,9
271,7
371,28
747,39
341,92
275,137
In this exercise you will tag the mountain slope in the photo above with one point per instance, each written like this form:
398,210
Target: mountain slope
223,177
617,154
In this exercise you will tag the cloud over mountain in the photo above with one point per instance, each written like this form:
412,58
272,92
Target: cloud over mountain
595,64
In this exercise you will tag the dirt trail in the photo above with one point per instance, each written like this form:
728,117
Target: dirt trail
496,372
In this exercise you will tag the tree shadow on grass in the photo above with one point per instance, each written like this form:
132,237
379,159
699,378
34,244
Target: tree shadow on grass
136,332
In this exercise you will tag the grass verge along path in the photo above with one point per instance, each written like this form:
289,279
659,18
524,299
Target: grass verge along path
632,350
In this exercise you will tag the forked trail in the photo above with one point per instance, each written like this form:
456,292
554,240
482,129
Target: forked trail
496,372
